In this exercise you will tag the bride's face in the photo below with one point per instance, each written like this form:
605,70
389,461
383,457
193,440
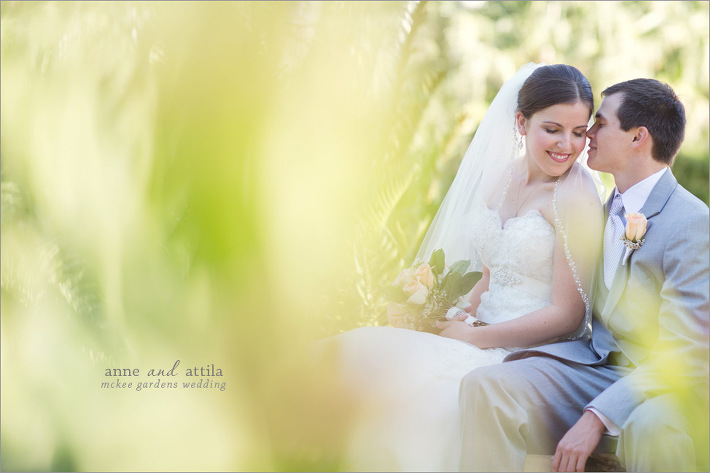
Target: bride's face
555,136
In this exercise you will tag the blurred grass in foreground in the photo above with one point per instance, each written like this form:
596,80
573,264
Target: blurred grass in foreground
162,199
222,183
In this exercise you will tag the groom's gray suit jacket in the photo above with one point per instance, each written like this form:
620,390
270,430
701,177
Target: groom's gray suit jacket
654,319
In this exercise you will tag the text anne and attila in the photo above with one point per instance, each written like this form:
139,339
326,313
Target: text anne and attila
208,370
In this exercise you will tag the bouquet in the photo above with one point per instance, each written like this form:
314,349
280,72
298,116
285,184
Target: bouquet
424,293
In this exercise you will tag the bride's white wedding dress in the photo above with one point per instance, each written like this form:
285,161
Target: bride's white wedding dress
408,381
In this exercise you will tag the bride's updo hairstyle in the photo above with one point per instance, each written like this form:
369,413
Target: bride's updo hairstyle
552,85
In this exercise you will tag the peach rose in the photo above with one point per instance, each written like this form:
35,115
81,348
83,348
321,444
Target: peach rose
405,277
425,275
417,291
635,226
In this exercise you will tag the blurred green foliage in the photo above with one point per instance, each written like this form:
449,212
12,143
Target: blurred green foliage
224,182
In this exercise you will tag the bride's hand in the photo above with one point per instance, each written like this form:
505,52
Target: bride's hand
460,330
455,328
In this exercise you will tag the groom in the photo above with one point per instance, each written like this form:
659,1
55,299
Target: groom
643,377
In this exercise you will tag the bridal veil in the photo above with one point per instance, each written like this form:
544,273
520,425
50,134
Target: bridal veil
576,201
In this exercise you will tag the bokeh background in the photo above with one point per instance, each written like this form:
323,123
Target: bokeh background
223,183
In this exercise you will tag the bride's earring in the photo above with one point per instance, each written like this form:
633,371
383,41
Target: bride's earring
515,135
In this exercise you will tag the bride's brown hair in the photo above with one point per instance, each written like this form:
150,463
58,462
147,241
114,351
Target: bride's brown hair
552,85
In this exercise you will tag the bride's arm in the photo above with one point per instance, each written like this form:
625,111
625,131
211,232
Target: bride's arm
474,297
562,316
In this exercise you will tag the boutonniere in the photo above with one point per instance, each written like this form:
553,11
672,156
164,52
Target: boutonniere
635,230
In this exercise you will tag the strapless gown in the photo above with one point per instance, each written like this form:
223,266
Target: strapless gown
408,382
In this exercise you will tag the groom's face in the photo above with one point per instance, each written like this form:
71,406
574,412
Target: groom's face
608,143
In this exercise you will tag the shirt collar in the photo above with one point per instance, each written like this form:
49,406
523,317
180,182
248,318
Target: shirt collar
635,196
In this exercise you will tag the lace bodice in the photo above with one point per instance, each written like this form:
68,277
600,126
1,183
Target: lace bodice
519,257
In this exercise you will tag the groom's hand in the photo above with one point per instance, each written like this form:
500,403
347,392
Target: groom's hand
578,443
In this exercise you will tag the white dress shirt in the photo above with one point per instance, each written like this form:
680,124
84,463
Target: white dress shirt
635,196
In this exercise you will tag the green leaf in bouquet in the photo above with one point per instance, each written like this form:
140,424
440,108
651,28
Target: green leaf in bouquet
395,294
465,284
450,283
460,267
437,262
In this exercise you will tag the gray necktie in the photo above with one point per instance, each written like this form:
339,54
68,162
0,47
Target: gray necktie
613,247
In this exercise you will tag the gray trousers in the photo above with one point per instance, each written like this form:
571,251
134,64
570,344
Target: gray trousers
526,406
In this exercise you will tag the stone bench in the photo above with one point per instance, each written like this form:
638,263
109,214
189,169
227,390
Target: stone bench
597,462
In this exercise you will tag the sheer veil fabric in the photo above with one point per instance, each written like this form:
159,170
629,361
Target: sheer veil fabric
576,201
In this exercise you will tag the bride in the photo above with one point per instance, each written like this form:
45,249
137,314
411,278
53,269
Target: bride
527,213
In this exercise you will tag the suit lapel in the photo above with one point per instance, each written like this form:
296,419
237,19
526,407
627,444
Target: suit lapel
659,195
654,204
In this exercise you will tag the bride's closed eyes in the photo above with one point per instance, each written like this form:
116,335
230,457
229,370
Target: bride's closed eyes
578,134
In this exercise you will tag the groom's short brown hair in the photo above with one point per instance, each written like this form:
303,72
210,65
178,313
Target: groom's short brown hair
654,105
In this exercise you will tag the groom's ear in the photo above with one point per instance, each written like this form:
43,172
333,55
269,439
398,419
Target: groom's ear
641,137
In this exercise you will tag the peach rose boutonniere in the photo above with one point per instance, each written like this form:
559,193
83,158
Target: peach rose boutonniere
634,236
